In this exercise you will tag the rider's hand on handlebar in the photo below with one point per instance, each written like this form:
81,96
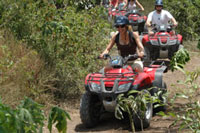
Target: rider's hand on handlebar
141,54
101,56
175,24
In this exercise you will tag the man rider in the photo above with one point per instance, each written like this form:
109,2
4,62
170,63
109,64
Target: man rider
159,17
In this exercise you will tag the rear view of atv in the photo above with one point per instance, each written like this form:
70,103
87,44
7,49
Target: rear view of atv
163,44
112,13
136,20
103,88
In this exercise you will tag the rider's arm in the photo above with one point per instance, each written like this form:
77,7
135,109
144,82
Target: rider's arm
149,19
174,22
149,22
110,45
138,3
110,2
171,18
117,3
140,48
126,3
148,25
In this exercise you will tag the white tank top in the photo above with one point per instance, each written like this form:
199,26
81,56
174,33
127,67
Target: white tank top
132,6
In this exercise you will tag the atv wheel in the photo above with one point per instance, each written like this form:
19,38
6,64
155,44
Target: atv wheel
90,109
163,100
140,121
147,58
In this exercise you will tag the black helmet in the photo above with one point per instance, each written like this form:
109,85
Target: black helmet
121,20
159,3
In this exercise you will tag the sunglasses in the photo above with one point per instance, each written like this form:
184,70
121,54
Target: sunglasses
159,6
121,26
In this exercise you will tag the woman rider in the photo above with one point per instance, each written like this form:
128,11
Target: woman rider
128,42
131,4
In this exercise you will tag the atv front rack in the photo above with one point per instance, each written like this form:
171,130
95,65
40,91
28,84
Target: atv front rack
109,84
121,77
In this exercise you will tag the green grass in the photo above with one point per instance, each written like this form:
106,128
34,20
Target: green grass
21,72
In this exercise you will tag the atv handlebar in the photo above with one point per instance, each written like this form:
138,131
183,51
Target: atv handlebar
119,61
158,28
168,25
134,56
105,56
134,11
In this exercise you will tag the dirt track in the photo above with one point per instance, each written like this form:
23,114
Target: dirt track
111,125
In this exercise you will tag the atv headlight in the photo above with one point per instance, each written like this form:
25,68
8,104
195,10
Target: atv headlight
95,87
124,87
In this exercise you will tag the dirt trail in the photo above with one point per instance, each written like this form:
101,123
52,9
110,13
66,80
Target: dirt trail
111,125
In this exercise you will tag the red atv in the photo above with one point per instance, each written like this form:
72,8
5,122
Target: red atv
136,20
112,13
102,89
163,44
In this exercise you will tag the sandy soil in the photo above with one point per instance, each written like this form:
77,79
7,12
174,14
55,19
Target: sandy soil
111,125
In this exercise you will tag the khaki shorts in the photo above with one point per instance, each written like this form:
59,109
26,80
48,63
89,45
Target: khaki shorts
137,65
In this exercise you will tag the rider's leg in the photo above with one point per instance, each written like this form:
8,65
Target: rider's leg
136,65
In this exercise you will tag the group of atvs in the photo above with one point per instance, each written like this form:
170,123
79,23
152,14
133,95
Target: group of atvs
103,87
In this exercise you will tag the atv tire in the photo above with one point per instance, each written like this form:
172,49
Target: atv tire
90,109
147,117
147,58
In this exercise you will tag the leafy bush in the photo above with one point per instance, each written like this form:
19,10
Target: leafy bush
133,103
67,40
180,58
60,116
29,118
186,13
186,115
198,45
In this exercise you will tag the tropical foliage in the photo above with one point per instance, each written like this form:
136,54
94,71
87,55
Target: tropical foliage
68,40
68,35
198,45
29,117
58,116
186,13
180,58
134,103
187,116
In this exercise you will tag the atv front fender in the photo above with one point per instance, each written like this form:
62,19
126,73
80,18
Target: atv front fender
158,81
